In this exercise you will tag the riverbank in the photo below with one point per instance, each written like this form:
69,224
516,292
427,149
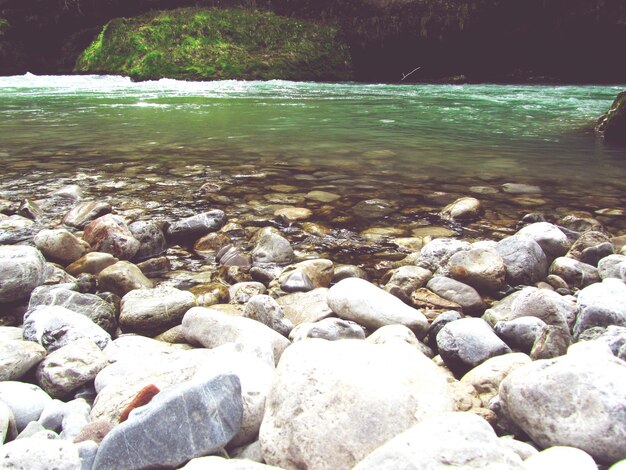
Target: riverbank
234,300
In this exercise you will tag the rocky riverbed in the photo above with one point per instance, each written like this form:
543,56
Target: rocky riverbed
279,318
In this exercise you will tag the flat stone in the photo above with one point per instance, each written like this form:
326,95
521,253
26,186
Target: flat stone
84,212
191,228
520,188
322,196
91,263
179,424
22,268
457,292
374,208
362,302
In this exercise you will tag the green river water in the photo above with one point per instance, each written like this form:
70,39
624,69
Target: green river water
151,146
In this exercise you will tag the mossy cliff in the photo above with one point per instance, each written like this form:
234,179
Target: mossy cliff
217,44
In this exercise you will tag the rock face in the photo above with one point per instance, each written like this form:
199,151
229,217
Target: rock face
40,454
60,245
333,402
601,304
153,311
17,357
110,234
180,423
448,440
549,399
54,327
463,344
22,268
190,229
524,259
212,328
612,125
362,302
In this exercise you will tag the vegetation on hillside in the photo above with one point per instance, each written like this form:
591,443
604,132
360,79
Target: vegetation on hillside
217,44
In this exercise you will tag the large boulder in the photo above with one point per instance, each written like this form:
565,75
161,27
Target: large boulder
447,440
601,304
211,328
574,400
153,311
54,327
22,268
333,402
180,423
110,234
525,261
362,302
612,125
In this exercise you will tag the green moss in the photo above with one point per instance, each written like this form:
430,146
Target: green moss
216,44
4,27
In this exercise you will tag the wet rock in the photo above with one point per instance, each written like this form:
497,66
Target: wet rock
22,268
560,457
296,281
266,310
465,208
110,234
546,305
242,292
612,125
101,312
520,333
327,394
83,213
212,328
17,357
231,256
612,266
40,454
17,229
272,248
575,273
457,292
374,208
212,242
91,263
26,401
190,229
123,277
524,259
294,213
364,303
463,344
70,367
54,327
448,440
548,399
551,342
520,188
593,254
305,307
487,377
318,271
406,279
331,329
480,268
601,304
344,271
435,254
550,238
151,239
60,245
207,415
153,311
155,267
588,240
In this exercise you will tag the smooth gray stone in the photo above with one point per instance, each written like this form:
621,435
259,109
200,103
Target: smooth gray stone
575,273
438,323
151,238
17,357
180,423
16,229
101,312
436,253
83,213
75,418
26,401
40,454
601,304
331,329
53,327
266,310
450,289
272,248
612,266
525,261
550,238
194,227
52,415
87,451
463,344
520,333
298,281
22,268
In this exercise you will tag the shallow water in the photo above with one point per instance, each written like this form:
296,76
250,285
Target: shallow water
150,146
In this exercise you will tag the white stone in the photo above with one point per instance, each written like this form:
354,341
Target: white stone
40,454
550,238
362,302
18,357
61,245
214,462
333,402
26,401
561,457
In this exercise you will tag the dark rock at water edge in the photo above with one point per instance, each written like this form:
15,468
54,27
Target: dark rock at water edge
183,422
190,229
612,125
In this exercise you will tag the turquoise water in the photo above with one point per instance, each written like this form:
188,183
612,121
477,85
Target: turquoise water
417,146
